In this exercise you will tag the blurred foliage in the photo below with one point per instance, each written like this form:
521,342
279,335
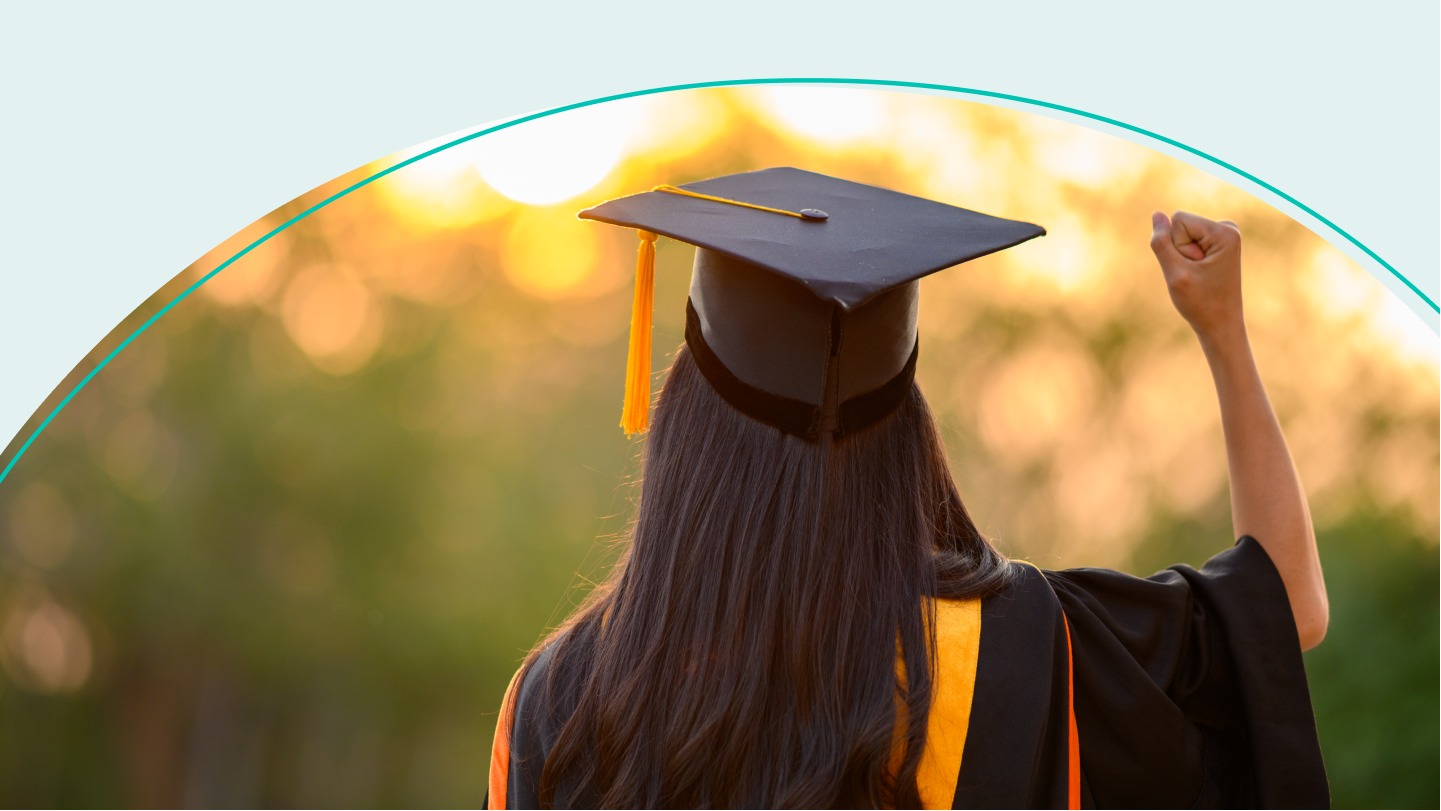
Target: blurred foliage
288,547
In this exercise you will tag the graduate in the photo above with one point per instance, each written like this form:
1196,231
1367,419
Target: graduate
806,616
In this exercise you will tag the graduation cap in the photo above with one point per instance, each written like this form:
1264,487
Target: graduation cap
803,298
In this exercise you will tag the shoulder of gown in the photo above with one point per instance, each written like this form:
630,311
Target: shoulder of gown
1190,686
525,733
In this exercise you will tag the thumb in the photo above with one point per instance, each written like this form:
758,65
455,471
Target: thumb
1161,243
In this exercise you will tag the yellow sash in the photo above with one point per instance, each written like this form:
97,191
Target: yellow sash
958,648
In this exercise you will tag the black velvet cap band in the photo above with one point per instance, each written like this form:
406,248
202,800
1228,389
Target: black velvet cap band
795,416
792,416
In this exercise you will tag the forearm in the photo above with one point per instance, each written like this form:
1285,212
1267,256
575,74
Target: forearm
1267,501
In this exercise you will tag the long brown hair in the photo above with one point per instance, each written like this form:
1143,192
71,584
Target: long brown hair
744,651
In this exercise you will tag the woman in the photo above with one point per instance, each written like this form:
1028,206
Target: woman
807,616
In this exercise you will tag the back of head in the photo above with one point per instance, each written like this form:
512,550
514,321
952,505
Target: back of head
745,650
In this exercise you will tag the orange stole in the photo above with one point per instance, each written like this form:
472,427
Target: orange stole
958,649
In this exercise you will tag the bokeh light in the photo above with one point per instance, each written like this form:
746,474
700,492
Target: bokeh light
42,525
45,647
333,317
550,253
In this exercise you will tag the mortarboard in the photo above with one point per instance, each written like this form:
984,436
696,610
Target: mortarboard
803,298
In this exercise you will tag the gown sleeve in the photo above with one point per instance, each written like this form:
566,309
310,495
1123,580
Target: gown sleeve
1190,689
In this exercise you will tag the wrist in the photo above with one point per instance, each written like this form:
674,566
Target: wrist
1224,340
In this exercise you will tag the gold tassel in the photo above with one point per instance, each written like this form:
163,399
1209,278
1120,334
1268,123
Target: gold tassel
635,417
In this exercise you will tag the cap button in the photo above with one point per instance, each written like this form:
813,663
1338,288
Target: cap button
814,214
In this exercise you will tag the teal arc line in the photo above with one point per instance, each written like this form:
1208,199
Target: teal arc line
693,86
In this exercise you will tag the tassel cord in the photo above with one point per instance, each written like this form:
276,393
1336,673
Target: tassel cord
635,416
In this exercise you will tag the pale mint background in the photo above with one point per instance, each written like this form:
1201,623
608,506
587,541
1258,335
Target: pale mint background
136,139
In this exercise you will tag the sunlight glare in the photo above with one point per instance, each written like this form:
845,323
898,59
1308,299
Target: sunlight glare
670,126
1341,290
1068,258
443,190
556,157
1082,156
1405,332
827,114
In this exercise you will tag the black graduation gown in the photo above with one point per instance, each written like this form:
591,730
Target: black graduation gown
1188,691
